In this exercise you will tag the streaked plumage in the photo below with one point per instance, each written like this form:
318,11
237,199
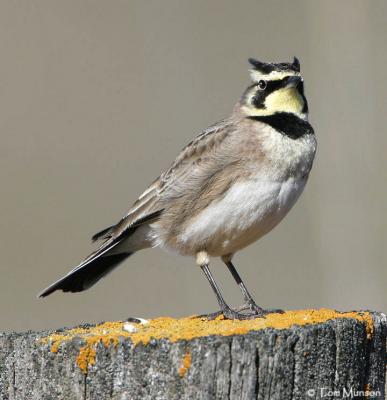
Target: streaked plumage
228,187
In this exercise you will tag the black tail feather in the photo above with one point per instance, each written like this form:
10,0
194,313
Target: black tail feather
82,278
102,261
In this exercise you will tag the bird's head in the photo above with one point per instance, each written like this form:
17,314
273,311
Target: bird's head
275,88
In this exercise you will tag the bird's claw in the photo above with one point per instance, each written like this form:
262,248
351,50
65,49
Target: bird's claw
247,311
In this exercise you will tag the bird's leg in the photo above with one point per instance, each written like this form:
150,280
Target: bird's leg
202,260
249,303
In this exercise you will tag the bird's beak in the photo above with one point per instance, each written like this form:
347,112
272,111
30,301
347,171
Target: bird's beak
293,81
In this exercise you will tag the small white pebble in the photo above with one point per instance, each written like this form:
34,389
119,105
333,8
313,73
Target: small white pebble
129,328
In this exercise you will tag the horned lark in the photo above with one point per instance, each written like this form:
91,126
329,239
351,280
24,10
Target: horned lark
227,188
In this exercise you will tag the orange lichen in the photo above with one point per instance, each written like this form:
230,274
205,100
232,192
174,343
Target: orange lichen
86,357
109,333
186,364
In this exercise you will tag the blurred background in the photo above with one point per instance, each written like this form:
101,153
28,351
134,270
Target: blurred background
98,97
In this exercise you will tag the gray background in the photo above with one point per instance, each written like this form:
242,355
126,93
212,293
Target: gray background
98,97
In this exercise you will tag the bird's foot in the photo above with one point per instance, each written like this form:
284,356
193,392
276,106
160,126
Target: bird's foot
209,317
247,311
254,310
227,313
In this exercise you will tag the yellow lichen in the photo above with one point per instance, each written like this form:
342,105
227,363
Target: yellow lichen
186,364
86,357
109,333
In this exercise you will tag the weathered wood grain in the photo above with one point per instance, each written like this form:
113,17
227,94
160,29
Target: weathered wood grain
320,361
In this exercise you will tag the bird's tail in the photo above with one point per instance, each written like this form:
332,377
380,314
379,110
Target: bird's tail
119,243
89,272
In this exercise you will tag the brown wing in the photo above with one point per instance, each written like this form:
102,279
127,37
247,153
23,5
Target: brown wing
149,205
191,154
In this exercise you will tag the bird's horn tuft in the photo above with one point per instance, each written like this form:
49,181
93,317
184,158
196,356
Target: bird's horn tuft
260,66
296,64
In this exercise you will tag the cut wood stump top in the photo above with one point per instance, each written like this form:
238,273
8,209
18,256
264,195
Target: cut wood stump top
298,355
110,333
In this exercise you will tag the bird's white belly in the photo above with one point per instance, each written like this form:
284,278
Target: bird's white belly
248,211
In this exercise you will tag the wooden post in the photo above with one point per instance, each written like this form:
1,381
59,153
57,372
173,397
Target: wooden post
310,354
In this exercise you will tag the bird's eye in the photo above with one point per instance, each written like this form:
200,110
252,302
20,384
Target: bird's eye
262,85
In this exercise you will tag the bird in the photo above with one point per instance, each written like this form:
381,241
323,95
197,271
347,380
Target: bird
228,187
